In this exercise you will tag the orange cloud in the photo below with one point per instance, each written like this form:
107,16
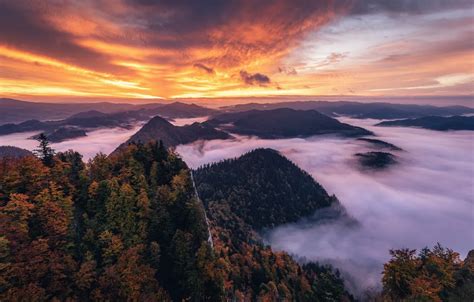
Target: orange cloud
166,48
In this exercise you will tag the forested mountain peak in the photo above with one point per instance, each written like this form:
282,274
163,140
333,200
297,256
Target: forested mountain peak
160,129
263,187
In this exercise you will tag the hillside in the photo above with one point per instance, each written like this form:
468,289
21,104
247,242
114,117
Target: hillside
438,123
258,190
120,228
263,188
160,129
13,152
376,110
129,227
284,123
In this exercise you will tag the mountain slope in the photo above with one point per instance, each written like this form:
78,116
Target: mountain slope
262,189
121,228
160,129
129,227
284,122
438,123
13,152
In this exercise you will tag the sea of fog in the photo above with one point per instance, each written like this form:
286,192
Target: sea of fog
425,199
103,140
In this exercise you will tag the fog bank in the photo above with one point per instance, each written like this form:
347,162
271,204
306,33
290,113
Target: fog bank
425,199
101,140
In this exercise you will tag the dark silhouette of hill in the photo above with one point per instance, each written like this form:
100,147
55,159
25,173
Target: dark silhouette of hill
15,111
13,152
262,188
63,133
379,144
160,129
377,110
284,123
376,160
438,123
181,110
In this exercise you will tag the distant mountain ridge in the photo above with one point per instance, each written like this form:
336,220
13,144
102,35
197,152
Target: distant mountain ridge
15,111
376,110
284,123
92,119
438,123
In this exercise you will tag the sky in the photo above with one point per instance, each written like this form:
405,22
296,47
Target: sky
167,49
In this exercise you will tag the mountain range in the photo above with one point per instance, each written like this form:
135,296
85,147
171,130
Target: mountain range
79,123
15,111
438,123
375,110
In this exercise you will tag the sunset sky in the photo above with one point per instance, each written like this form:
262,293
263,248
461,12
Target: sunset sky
210,48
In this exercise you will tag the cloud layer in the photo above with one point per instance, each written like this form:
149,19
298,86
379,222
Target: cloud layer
427,198
102,140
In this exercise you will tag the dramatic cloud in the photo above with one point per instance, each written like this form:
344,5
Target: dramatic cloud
205,68
254,79
179,49
425,199
407,6
141,48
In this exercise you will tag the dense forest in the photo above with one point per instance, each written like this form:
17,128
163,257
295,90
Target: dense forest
130,227
436,274
126,227
258,190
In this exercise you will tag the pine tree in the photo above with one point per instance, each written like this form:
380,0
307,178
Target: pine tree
44,151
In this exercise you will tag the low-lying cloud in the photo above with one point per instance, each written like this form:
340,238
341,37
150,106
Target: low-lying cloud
101,140
425,199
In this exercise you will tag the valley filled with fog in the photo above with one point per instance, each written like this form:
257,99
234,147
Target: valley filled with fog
424,199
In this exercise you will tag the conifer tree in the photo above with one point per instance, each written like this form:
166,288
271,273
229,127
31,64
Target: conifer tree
44,150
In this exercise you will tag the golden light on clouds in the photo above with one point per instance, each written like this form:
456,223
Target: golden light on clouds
163,49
